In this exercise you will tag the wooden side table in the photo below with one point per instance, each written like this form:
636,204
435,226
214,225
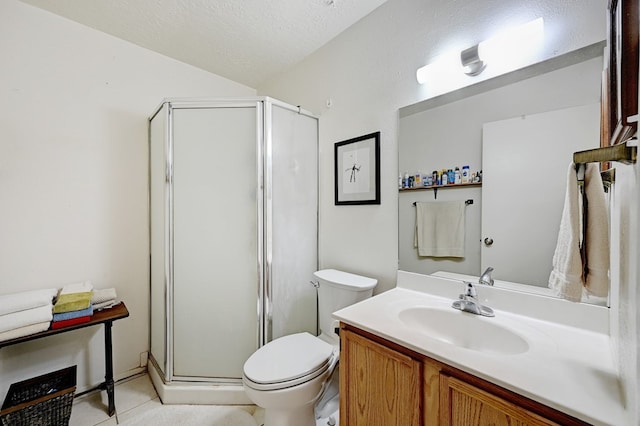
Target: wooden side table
106,317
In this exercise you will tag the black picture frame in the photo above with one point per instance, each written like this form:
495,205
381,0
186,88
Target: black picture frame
357,170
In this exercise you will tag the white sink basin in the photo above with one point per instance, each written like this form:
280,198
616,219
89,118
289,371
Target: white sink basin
464,330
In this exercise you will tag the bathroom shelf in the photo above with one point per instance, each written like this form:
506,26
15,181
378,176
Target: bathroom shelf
436,187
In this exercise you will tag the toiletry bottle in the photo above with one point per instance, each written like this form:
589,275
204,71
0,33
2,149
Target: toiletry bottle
451,177
457,176
405,183
434,177
418,179
465,174
400,182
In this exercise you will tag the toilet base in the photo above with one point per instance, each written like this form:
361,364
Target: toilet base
301,416
331,420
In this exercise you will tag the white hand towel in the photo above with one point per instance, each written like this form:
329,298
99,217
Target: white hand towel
440,228
83,287
566,275
24,331
25,318
102,295
567,278
24,300
597,235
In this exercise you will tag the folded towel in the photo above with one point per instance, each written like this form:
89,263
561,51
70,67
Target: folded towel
24,331
103,295
83,287
24,318
104,305
597,234
70,322
440,229
16,302
73,314
72,302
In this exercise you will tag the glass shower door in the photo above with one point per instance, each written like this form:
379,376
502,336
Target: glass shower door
293,215
215,240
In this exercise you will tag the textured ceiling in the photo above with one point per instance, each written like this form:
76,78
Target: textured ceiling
247,41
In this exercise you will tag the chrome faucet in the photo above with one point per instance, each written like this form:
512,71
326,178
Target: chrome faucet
468,301
485,278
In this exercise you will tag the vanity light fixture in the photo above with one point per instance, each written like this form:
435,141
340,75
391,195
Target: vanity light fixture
471,62
506,51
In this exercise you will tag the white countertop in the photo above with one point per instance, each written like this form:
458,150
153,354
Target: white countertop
566,367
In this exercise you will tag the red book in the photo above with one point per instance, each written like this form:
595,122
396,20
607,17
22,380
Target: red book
66,323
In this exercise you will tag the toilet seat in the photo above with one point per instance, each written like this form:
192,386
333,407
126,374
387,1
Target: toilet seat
289,361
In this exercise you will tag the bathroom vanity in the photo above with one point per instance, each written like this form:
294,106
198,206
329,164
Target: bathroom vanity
408,358
387,384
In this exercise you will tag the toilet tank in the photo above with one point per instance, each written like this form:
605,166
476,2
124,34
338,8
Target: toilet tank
337,290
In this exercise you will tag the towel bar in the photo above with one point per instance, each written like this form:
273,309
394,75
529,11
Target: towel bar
622,153
467,202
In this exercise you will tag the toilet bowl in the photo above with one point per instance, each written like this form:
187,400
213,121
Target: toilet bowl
288,375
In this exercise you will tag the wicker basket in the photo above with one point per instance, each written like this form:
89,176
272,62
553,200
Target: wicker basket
41,401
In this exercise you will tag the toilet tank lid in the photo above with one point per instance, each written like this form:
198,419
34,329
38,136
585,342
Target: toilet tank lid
346,279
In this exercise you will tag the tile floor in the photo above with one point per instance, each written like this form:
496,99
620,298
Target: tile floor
138,404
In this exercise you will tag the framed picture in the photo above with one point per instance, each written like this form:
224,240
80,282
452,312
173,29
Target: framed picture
357,170
623,69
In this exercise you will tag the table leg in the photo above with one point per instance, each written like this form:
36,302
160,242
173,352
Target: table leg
108,378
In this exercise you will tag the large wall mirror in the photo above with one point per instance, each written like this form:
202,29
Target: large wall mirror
521,130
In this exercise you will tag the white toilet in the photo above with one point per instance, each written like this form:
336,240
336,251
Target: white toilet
288,375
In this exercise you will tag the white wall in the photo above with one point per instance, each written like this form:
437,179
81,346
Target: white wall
368,72
625,278
73,176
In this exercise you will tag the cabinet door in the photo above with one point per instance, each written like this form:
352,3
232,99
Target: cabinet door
462,404
378,386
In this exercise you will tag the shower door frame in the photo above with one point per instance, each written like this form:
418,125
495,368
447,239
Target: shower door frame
264,211
167,370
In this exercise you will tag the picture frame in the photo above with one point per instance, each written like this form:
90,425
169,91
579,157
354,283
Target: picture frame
622,44
357,170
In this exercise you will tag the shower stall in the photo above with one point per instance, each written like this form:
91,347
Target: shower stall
233,211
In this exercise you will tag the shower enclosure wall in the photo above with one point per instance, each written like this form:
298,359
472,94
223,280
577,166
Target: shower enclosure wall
233,197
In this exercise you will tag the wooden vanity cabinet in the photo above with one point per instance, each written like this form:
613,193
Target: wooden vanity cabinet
462,404
378,385
385,384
